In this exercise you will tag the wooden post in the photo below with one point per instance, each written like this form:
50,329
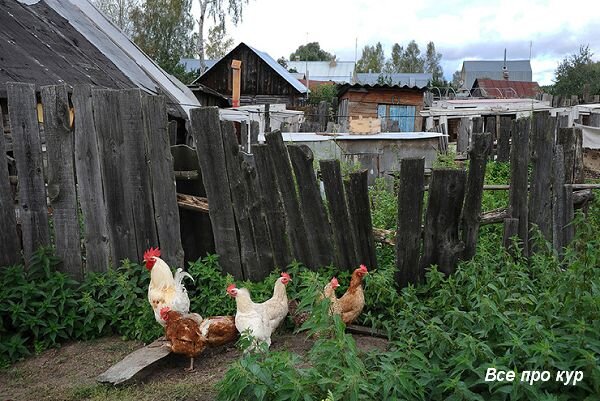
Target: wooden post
481,144
89,182
137,180
519,160
10,247
254,130
260,230
441,243
490,126
360,212
323,115
338,210
270,197
477,125
462,141
162,179
558,200
239,196
410,210
571,140
267,118
285,179
563,121
206,130
569,214
61,179
317,226
22,111
503,154
236,66
540,200
511,229
172,130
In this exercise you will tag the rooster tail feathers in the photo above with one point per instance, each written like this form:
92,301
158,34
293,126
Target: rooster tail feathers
180,275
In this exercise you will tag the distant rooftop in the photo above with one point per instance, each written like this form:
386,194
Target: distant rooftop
502,88
419,80
517,70
336,71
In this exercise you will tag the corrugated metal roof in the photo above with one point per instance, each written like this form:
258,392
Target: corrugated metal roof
502,88
338,71
193,64
496,65
419,80
518,70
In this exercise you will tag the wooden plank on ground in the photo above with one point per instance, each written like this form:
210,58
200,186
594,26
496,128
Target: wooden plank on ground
410,211
318,229
61,179
285,179
519,160
135,362
113,155
10,247
89,182
162,179
481,144
359,208
206,129
270,197
27,148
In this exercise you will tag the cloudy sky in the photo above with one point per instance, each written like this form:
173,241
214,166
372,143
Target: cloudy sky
460,29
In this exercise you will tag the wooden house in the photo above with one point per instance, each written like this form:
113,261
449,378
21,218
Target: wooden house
396,102
263,80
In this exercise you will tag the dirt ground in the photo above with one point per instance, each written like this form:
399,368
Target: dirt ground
68,373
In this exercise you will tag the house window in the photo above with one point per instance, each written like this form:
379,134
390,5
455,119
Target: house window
404,115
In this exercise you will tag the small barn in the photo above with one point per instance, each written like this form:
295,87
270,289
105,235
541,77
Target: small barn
262,81
395,100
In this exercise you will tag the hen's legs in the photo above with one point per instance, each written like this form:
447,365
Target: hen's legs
191,368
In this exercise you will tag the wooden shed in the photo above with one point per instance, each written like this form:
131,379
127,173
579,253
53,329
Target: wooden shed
263,80
396,106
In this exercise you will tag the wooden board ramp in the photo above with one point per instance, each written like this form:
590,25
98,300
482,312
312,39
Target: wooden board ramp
135,362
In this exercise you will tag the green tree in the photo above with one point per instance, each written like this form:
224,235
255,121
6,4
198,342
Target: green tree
218,43
372,59
118,11
577,75
310,52
432,65
411,59
393,64
218,10
456,78
163,29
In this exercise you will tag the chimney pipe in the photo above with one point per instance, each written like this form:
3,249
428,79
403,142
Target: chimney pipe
235,95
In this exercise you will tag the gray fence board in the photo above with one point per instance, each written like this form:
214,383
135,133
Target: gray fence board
519,160
360,212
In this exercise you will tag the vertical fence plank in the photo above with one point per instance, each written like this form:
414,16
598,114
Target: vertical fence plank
318,229
206,130
519,160
558,200
481,144
540,201
135,166
22,107
239,197
491,127
410,210
117,195
61,178
295,222
477,125
260,230
254,131
338,210
270,197
462,141
503,154
162,179
441,244
511,229
360,211
10,248
89,182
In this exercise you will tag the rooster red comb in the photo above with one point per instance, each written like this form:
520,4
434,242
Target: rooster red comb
285,275
334,282
151,252
164,310
230,287
363,269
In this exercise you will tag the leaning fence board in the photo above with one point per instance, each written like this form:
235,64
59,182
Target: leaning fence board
540,198
10,249
318,230
239,197
206,130
135,362
137,178
112,151
162,179
481,144
285,179
519,159
331,175
22,110
61,179
503,151
441,243
270,197
89,182
360,209
410,211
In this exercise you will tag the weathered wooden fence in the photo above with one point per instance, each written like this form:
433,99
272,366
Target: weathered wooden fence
266,207
109,192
